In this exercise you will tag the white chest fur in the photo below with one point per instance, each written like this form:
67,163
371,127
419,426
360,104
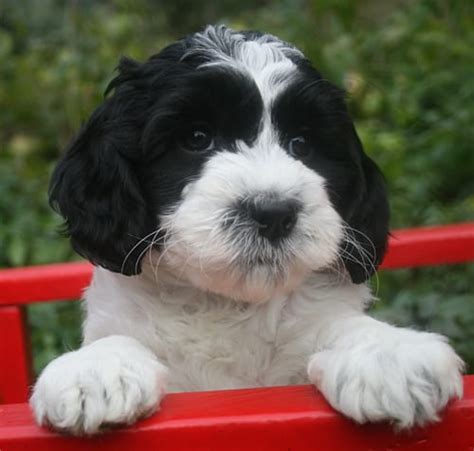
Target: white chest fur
209,342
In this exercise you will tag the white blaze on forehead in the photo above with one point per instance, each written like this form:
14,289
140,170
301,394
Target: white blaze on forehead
266,59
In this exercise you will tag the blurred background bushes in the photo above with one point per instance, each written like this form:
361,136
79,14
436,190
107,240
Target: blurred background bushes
408,68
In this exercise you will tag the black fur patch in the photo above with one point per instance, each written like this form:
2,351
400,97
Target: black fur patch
126,166
314,108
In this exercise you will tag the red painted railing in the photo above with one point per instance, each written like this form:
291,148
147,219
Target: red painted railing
266,419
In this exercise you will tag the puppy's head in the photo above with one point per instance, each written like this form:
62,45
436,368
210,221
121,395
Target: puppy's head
232,156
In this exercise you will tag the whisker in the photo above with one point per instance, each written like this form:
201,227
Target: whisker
129,253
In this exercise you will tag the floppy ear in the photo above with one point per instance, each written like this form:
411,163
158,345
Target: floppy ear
370,219
97,191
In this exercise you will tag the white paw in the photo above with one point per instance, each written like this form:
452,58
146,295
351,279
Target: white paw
406,377
114,380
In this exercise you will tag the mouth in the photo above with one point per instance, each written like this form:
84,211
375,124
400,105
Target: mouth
274,262
257,251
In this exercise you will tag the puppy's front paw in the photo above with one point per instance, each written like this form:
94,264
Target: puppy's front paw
112,381
406,379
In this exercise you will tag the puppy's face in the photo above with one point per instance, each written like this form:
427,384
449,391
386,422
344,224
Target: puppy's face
235,159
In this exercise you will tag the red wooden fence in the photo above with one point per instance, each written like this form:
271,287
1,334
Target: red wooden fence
285,418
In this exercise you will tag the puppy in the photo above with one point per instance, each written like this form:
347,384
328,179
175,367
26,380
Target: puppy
234,219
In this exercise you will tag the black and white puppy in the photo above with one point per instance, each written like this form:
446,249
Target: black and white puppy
225,197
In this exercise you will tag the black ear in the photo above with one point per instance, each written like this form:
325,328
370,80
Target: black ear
96,187
369,222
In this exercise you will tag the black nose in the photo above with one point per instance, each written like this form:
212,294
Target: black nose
275,219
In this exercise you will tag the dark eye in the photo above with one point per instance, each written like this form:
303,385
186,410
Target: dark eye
298,147
198,139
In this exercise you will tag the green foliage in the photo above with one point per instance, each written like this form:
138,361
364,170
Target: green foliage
55,328
432,299
407,67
